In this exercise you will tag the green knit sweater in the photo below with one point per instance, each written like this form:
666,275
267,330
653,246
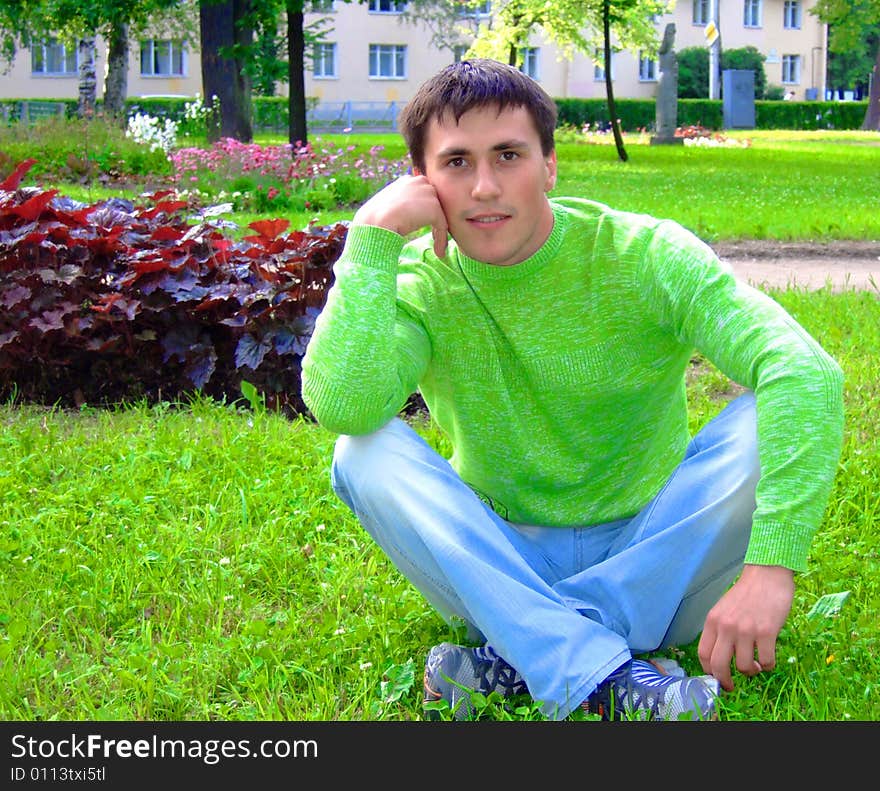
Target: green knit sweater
560,381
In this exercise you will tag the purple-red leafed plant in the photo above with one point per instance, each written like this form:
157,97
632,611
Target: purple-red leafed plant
116,302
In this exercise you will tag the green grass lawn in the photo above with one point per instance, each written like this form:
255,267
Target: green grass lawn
189,561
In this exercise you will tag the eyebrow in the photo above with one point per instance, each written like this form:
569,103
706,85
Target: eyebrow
505,145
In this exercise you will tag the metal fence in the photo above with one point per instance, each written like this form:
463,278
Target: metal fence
353,116
31,111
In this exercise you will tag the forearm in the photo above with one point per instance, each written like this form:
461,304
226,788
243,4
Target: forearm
355,375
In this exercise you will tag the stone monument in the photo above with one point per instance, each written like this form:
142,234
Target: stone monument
667,92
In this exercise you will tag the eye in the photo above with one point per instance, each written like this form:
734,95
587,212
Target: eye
509,156
456,162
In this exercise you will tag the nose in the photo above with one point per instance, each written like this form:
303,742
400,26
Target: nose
486,184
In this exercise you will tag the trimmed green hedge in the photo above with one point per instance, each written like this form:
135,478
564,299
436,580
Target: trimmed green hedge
635,114
270,112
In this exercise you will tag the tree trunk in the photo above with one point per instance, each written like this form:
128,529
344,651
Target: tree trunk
87,81
224,77
116,84
297,128
609,90
872,115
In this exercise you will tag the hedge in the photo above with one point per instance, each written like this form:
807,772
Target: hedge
637,114
270,112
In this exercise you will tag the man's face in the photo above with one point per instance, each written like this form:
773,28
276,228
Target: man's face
492,181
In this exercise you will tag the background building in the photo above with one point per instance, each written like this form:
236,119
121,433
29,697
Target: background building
371,53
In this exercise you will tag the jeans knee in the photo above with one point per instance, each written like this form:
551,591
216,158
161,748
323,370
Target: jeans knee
364,460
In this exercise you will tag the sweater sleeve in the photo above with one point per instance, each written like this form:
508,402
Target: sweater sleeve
368,351
798,387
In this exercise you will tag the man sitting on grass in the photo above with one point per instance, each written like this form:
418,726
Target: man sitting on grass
577,525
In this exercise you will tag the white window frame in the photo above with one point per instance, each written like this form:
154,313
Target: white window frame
701,11
531,64
322,7
791,14
468,11
752,13
386,6
599,65
41,55
176,47
320,60
791,69
397,53
647,68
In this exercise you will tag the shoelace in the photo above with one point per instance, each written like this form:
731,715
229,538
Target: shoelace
503,678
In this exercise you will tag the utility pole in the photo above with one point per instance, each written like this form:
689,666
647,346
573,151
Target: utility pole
713,37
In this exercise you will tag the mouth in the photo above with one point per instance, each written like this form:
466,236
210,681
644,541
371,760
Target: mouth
487,219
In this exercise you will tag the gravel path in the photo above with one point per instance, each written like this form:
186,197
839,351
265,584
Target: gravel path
847,264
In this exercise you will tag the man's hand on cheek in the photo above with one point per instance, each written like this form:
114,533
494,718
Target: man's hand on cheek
405,206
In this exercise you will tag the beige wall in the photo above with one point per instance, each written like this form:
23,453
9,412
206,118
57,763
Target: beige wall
354,28
19,82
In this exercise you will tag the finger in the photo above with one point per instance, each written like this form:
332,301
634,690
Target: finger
719,662
705,648
745,657
440,240
767,653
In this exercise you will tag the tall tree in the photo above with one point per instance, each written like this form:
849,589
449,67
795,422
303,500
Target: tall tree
227,35
577,25
297,131
851,21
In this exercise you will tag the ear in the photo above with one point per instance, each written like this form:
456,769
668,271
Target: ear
550,162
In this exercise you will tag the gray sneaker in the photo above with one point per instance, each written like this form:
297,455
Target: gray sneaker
639,690
453,672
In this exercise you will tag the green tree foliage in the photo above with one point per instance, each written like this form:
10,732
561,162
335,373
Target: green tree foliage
693,73
851,21
748,59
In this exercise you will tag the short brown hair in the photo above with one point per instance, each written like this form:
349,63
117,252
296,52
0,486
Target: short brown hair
471,84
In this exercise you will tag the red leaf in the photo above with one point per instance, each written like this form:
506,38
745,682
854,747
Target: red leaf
14,179
269,229
165,233
33,207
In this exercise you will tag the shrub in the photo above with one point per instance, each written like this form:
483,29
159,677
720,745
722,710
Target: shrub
114,302
693,73
748,59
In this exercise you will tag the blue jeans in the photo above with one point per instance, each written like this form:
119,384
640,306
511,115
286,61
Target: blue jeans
565,606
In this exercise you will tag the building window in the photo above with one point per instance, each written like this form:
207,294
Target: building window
163,58
791,69
792,15
701,12
322,6
473,9
52,57
388,61
599,65
387,6
752,13
530,61
324,61
647,69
